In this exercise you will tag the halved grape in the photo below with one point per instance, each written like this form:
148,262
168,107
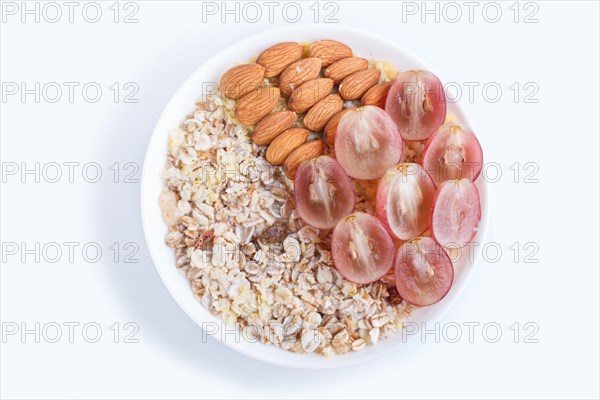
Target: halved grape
323,192
367,142
424,272
362,250
456,213
417,103
404,198
453,152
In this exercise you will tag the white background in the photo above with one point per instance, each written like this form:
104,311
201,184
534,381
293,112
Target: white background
559,214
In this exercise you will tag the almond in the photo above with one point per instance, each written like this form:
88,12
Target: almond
329,51
285,144
320,113
307,151
276,58
377,95
309,93
341,69
331,126
257,104
241,79
355,85
272,125
298,73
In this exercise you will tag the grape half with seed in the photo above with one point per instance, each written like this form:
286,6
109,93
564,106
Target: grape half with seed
404,198
367,143
417,104
453,152
456,213
323,192
362,250
424,272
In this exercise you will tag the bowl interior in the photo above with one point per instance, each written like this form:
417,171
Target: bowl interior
202,81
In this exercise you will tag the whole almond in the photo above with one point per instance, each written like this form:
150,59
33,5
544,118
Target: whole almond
355,85
307,151
329,51
377,95
276,58
320,113
331,126
298,73
257,104
341,69
283,145
272,125
241,79
309,93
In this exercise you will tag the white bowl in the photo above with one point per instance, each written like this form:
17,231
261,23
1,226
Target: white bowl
363,44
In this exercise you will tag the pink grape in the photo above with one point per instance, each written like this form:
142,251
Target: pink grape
453,152
367,142
417,104
363,252
424,272
456,213
404,198
323,192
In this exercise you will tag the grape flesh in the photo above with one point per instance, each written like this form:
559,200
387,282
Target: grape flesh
424,272
404,198
323,192
453,152
417,104
362,250
367,143
456,213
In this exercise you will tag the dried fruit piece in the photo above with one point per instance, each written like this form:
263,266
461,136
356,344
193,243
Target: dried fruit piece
355,85
367,143
272,125
275,233
307,151
205,240
256,105
320,113
417,103
362,250
456,213
332,124
241,80
453,152
309,93
377,95
298,73
323,193
404,198
283,145
329,51
424,272
276,58
347,66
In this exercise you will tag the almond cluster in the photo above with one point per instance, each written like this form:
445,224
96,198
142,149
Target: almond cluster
314,83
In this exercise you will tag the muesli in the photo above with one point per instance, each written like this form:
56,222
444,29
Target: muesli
315,197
